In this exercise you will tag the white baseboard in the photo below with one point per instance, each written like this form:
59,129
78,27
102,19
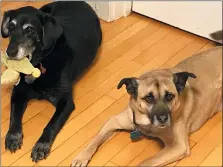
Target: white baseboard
111,10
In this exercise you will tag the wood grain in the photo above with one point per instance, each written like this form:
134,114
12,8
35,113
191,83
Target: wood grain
130,47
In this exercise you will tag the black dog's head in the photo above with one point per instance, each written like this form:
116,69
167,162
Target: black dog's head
30,32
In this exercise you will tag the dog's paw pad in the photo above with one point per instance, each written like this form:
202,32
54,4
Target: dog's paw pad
13,141
81,160
40,151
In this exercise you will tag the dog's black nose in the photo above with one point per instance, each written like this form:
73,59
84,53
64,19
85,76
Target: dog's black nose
162,118
12,52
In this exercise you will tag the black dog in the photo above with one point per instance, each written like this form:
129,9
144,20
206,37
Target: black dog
62,37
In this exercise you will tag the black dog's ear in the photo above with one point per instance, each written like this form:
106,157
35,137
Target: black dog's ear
6,18
51,31
131,86
180,80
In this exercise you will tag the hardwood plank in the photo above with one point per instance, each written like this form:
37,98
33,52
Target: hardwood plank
82,136
103,88
202,149
33,123
165,55
3,120
153,148
5,90
87,84
68,129
156,62
69,159
8,158
132,150
169,39
107,57
214,158
31,111
209,45
5,101
119,26
107,26
38,122
113,43
111,148
186,52
110,164
137,50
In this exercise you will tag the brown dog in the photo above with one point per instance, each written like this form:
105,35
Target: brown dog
168,105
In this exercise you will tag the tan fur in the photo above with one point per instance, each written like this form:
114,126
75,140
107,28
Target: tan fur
200,100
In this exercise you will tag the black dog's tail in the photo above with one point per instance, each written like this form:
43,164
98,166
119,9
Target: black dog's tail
217,36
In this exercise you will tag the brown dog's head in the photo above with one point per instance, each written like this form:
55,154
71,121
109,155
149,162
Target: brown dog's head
156,94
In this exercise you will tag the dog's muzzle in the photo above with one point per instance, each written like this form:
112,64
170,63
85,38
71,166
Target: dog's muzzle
18,52
160,115
12,51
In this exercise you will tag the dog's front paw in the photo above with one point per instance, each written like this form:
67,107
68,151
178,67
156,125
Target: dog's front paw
13,141
40,151
81,160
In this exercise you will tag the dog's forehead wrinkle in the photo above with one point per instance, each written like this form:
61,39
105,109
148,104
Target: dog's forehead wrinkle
167,86
23,19
27,25
157,83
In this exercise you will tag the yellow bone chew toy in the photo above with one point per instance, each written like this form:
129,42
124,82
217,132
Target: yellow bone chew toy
14,67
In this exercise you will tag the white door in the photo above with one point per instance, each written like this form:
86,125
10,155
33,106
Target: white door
198,17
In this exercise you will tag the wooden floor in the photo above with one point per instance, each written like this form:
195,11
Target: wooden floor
131,46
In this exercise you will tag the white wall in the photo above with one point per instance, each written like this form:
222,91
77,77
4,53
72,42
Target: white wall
111,10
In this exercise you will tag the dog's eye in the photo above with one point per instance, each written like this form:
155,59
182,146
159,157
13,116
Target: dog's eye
169,97
11,26
149,98
29,30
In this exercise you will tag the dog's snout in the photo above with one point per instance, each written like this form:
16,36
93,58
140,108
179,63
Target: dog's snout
162,118
12,51
160,115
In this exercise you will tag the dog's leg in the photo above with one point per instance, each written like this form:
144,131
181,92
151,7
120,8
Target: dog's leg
19,100
173,151
118,122
63,110
166,156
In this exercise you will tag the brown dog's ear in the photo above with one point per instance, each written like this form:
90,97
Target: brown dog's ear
4,27
131,86
180,80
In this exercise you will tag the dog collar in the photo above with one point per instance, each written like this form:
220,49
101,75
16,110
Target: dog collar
135,134
42,69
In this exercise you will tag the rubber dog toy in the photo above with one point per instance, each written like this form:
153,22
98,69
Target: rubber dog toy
13,69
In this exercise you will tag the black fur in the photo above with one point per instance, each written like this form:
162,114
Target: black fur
131,86
66,39
180,80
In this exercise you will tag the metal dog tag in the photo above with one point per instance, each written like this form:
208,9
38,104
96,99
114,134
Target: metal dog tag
135,134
